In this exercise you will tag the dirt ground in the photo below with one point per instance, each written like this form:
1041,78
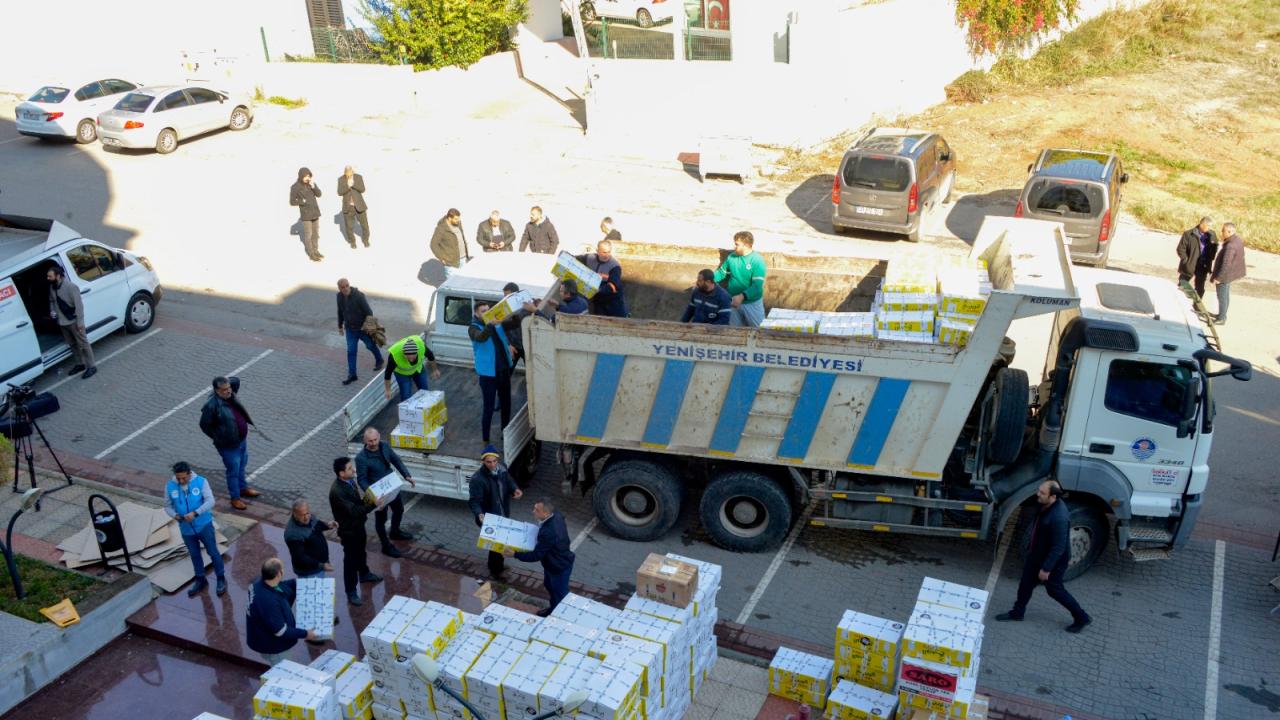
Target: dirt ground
1197,137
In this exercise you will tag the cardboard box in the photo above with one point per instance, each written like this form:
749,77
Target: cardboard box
930,679
406,439
426,408
619,648
313,608
850,701
507,306
905,321
290,670
334,662
800,676
859,324
941,635
960,291
509,622
586,612
796,325
354,690
673,638
428,633
954,330
681,615
615,692
924,338
567,267
954,595
667,580
383,711
484,680
565,635
384,491
911,273
498,533
709,574
379,636
292,700
573,673
521,686
907,301
208,716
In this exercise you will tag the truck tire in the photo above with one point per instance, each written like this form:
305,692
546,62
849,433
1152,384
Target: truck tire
1088,536
1008,418
745,511
637,500
525,468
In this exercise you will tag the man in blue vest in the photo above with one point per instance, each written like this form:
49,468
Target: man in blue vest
493,361
270,628
189,500
552,550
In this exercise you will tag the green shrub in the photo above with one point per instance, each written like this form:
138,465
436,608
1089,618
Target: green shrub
433,34
999,26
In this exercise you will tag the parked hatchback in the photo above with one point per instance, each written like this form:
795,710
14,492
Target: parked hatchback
69,110
891,180
1081,190
161,116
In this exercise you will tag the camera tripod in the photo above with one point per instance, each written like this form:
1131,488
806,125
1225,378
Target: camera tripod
20,433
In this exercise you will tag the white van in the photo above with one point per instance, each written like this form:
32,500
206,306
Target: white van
119,288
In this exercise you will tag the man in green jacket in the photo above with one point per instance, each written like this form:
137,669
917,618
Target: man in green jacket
746,271
407,363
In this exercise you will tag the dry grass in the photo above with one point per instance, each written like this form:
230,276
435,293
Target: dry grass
1186,92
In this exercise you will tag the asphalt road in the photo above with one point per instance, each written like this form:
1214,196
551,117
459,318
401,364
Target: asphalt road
1184,638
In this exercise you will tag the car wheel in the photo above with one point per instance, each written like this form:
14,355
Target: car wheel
644,18
240,119
167,141
588,12
140,313
86,132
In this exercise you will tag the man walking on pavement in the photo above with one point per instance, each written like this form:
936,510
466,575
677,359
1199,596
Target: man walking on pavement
746,271
491,491
552,550
270,628
189,500
354,209
539,235
407,363
448,243
709,303
374,462
226,422
1196,250
1048,556
302,195
353,311
608,300
346,500
304,536
493,356
67,308
1228,268
495,234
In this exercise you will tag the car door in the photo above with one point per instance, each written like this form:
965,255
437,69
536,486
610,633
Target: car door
175,111
20,359
104,288
207,109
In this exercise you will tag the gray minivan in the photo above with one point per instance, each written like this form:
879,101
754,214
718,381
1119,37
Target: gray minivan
891,180
1081,190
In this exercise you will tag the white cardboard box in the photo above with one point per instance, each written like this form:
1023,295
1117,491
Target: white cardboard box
313,608
524,682
425,407
509,622
385,490
586,612
565,635
498,533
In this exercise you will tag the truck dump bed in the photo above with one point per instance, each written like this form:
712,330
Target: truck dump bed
766,396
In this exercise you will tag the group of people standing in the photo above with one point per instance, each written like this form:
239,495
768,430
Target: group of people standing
1204,255
304,194
494,234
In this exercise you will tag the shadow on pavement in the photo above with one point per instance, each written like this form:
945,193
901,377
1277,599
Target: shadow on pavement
967,213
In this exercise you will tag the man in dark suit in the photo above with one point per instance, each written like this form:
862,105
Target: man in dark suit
350,511
354,209
495,234
1196,250
1048,557
552,551
491,491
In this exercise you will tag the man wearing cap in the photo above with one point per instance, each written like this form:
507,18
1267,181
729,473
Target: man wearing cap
491,491
189,500
409,358
552,550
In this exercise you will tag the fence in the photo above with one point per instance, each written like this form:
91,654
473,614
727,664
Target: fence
342,45
621,39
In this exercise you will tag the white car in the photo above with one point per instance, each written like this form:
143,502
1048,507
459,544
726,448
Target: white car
160,116
645,12
69,111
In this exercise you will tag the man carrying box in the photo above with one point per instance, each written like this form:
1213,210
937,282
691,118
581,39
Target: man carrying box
494,358
269,626
491,491
374,462
346,499
608,299
552,551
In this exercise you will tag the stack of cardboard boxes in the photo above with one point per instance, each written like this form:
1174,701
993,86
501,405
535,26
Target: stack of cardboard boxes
313,608
907,302
963,289
940,650
333,687
567,267
421,422
800,676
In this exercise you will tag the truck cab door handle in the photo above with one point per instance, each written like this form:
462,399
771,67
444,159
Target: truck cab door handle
22,324
1101,448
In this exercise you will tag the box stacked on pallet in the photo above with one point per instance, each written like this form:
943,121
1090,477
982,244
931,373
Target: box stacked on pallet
313,608
379,639
867,650
455,662
421,421
940,649
484,680
851,701
801,677
585,612
567,267
521,686
283,699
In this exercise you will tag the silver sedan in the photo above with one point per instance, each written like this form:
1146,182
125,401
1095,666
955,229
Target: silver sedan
161,116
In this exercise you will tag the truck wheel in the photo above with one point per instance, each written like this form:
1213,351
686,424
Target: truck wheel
1087,539
745,512
637,500
1008,416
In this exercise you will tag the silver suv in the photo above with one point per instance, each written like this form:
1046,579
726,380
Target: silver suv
1081,190
890,180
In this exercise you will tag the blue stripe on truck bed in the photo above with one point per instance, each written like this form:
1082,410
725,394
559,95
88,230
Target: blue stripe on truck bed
735,411
878,421
805,416
598,402
666,405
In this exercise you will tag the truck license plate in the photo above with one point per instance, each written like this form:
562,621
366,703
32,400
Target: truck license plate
867,210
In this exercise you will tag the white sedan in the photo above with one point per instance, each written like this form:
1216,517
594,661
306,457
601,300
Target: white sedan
68,111
160,116
645,12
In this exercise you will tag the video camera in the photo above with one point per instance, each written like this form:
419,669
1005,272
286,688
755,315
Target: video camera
21,406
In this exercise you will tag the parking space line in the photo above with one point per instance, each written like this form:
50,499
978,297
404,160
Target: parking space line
1001,550
1215,632
293,446
583,533
821,198
10,140
101,360
774,565
202,393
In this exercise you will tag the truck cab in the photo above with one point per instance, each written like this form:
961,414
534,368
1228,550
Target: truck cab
480,280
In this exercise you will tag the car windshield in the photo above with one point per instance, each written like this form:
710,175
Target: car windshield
49,94
135,102
877,172
1066,199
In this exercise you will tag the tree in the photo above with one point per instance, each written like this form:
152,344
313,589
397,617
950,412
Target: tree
433,34
999,26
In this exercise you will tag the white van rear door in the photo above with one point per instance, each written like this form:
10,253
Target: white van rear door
20,360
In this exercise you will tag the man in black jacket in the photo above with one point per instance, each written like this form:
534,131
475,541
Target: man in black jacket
1196,249
270,628
304,536
302,195
491,491
346,499
226,422
448,243
353,309
1048,556
374,462
540,235
552,551
495,234
354,209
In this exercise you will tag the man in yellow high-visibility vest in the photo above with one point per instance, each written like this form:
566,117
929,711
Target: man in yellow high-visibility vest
409,358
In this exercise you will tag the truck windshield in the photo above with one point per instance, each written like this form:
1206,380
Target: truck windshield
1151,391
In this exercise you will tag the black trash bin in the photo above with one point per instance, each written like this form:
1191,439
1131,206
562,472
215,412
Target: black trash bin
108,531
